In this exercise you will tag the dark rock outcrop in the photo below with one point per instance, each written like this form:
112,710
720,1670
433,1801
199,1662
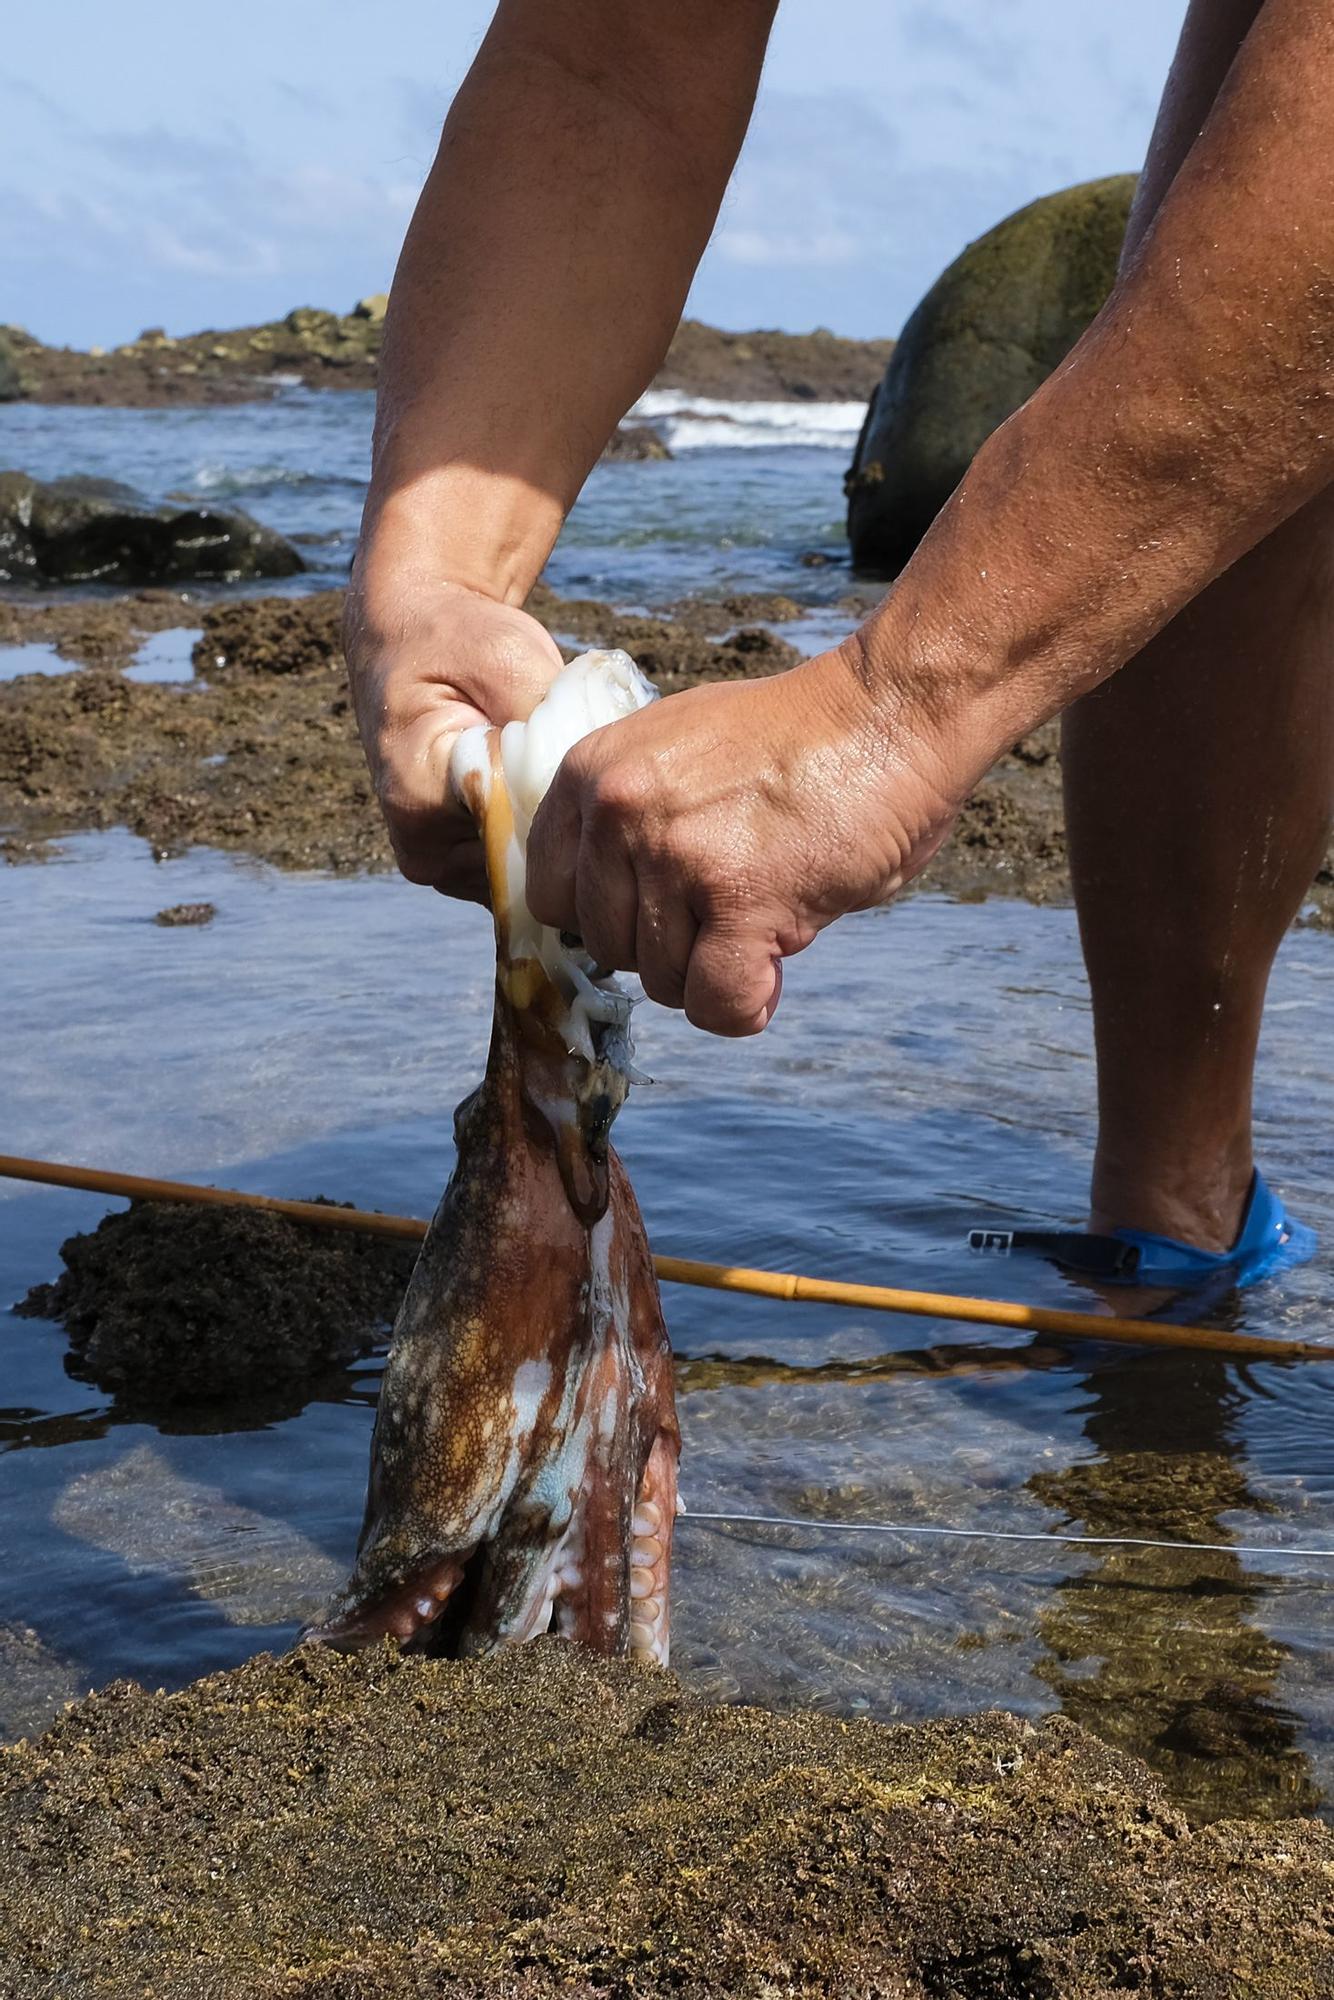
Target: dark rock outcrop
97,531
986,335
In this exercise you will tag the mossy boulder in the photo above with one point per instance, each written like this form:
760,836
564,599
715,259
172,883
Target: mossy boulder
989,331
97,531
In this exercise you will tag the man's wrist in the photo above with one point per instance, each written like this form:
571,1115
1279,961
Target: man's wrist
933,673
486,532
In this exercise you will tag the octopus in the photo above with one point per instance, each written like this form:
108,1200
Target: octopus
524,1458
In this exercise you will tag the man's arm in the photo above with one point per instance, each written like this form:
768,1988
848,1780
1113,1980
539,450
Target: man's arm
1196,414
579,176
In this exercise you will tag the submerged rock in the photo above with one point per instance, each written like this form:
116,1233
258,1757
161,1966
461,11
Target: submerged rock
167,1303
97,531
539,1823
989,331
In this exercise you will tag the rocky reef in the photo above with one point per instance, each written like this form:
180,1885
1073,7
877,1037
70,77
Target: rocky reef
329,350
320,1828
167,1304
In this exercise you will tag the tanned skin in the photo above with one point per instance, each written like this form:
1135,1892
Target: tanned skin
1176,460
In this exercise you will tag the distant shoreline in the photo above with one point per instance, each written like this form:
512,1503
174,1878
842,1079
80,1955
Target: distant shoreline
327,350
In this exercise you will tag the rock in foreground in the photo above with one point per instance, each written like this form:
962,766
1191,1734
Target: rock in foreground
540,1824
96,531
989,331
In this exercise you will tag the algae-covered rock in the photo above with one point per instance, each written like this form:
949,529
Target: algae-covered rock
97,531
542,1823
272,635
986,335
635,441
170,1304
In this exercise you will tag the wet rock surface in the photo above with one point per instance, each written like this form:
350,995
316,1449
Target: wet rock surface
990,330
272,635
328,350
70,531
541,1823
96,631
169,1304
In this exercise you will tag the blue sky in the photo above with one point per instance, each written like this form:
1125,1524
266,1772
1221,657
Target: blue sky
164,165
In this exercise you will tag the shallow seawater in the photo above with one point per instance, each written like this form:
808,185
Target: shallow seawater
735,510
314,1039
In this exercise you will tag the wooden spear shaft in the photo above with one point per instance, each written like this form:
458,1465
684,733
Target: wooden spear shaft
713,1277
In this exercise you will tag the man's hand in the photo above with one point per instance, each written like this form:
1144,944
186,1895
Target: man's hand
426,663
704,839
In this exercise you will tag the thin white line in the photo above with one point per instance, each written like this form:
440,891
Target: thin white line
999,1535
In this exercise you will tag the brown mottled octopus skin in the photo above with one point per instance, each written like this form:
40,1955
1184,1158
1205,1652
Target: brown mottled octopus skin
526,1426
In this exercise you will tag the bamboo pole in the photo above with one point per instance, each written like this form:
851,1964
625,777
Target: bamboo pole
786,1285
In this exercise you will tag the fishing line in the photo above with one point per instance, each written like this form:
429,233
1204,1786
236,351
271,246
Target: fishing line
997,1535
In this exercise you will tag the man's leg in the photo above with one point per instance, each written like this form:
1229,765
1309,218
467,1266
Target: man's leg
1198,796
1198,788
1199,801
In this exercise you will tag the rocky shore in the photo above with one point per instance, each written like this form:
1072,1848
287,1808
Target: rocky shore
314,1828
328,350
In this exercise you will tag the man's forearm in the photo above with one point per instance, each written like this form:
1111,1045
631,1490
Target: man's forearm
578,179
1196,414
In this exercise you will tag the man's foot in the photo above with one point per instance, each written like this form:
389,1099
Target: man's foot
1267,1240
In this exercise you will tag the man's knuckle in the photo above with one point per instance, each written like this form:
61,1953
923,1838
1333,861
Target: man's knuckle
620,793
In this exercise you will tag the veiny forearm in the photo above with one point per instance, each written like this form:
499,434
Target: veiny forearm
1195,415
579,176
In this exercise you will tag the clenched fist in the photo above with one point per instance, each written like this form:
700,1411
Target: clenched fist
427,661
703,840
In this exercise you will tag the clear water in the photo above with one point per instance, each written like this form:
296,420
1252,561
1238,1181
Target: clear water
929,1069
314,1038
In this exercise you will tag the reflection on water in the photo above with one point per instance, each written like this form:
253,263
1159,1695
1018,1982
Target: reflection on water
928,1071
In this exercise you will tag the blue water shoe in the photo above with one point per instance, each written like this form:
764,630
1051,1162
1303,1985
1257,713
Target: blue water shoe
1268,1241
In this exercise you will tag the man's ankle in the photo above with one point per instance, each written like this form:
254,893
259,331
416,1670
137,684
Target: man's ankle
1201,1203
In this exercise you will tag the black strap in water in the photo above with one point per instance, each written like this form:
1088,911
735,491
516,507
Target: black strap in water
1071,1249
